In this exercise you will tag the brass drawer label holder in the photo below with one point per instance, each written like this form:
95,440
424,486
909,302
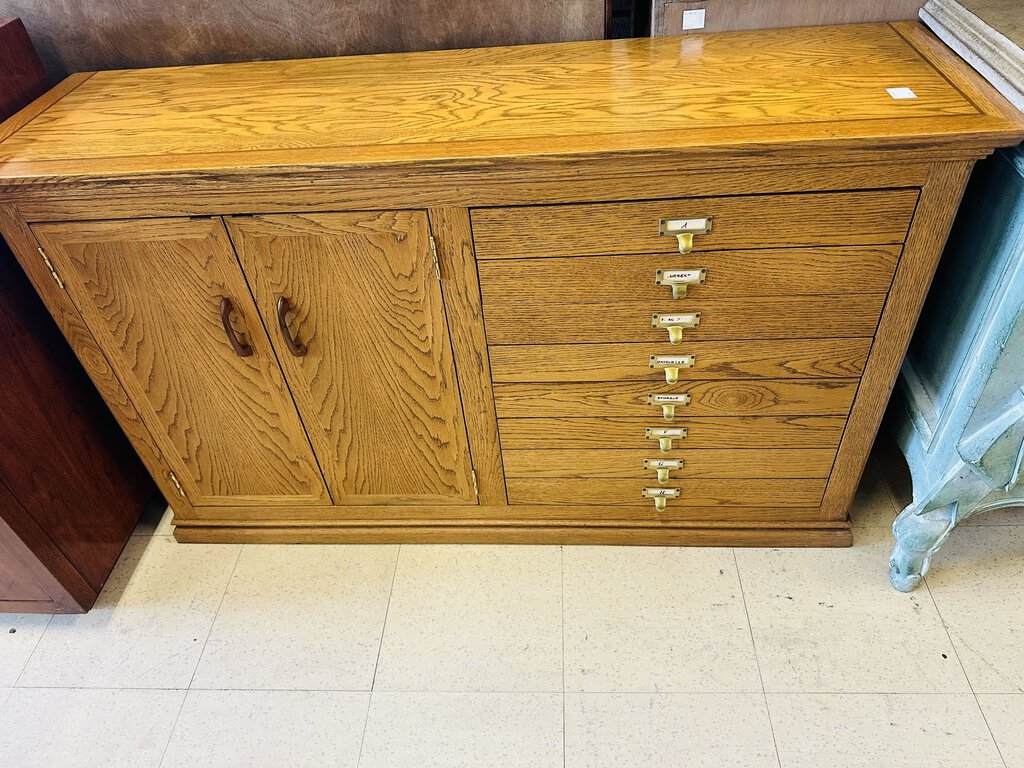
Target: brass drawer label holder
683,230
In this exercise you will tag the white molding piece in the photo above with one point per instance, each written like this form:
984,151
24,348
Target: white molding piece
997,58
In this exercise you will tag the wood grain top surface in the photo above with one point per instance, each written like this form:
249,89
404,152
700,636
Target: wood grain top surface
805,88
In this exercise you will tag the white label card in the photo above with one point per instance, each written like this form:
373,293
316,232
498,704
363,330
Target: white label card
693,19
901,93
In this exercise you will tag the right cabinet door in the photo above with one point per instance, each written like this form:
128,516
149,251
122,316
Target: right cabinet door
355,312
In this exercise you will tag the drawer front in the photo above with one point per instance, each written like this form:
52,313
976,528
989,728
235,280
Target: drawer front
877,217
797,397
650,362
569,491
803,317
728,274
528,435
674,464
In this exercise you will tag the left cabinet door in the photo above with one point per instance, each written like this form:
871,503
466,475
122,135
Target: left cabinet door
169,307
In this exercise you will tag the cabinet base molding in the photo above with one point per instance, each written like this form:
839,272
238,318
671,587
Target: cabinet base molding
824,534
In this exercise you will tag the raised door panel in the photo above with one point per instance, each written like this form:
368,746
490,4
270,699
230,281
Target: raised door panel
364,344
152,292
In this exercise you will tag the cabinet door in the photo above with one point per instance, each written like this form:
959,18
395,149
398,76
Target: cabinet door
201,373
357,318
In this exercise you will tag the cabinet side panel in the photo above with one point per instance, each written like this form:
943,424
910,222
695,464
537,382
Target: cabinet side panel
936,210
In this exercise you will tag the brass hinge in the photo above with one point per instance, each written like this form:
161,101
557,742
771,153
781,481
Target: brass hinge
174,481
53,269
433,255
476,487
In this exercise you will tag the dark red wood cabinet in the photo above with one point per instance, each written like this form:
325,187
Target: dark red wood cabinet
71,488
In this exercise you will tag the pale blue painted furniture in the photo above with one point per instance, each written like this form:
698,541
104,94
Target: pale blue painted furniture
958,412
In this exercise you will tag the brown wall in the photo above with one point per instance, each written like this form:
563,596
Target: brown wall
732,15
78,35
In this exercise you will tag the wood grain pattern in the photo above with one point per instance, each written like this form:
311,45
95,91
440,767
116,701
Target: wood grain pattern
756,535
531,138
23,244
939,200
61,454
225,424
522,515
777,317
775,358
520,434
376,389
754,397
750,221
702,463
695,493
458,105
517,181
472,366
730,274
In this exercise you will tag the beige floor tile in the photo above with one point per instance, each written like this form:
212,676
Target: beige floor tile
873,504
19,633
268,729
655,619
881,731
474,618
148,626
470,730
1005,716
4,695
977,582
78,728
300,617
697,730
828,621
1013,516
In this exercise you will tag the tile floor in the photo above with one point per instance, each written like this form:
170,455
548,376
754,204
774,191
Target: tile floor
530,656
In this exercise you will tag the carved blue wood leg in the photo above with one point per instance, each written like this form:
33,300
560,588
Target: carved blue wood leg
918,536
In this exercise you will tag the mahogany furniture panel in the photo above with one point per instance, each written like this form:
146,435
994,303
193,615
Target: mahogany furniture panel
535,294
71,489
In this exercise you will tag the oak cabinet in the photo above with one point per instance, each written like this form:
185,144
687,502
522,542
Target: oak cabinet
646,291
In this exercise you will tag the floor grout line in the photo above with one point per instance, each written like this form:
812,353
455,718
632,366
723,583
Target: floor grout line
216,614
963,669
199,660
945,627
380,648
561,603
757,660
32,653
174,727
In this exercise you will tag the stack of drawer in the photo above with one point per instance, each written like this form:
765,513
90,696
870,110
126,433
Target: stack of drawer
685,354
